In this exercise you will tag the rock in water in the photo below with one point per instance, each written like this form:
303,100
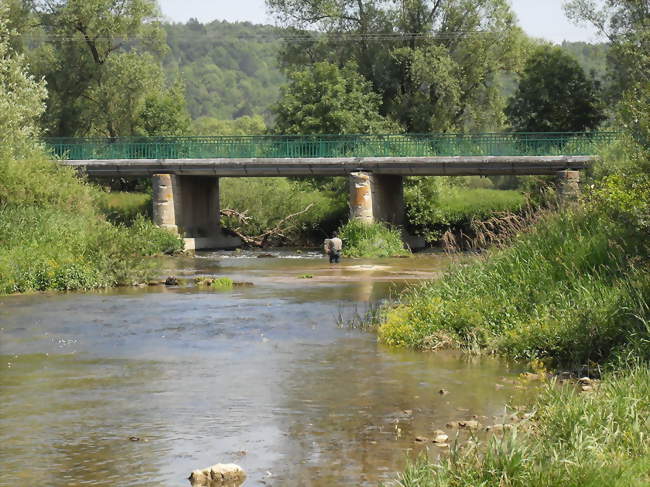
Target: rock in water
219,475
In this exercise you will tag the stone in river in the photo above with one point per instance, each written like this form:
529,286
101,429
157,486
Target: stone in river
219,475
470,425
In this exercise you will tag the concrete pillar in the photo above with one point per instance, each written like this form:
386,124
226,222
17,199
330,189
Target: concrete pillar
376,197
361,197
568,185
189,205
165,194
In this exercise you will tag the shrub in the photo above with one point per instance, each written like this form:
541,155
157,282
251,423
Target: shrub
370,240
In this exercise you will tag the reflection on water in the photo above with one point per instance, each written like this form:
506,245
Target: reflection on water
140,387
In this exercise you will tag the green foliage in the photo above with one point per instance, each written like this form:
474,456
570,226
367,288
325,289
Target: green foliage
575,440
266,201
230,69
21,96
554,95
626,25
247,125
371,240
100,59
417,54
591,57
433,206
567,291
124,208
51,234
324,99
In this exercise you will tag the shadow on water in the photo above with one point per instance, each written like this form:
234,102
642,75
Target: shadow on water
142,386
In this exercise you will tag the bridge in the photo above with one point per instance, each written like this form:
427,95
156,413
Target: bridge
185,171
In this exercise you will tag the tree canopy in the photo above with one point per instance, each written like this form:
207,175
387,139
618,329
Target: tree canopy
435,63
323,99
101,61
554,95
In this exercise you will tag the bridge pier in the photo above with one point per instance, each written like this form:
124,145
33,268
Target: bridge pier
568,185
189,206
376,197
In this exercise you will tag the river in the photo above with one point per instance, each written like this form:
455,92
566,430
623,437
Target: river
140,386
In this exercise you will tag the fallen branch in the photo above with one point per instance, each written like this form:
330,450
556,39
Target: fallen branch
262,239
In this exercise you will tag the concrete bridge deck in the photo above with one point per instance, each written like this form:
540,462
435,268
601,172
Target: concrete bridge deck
342,166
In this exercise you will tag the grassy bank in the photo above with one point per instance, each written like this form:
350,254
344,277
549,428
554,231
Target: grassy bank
436,205
573,292
576,440
53,234
567,290
281,197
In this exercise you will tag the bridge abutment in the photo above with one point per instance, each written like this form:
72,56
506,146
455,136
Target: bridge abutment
189,206
376,197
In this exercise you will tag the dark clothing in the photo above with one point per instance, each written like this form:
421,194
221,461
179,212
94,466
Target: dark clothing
335,255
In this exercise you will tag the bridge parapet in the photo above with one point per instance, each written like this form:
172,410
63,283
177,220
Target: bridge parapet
330,146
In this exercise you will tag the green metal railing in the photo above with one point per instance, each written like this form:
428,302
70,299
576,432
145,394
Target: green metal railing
311,146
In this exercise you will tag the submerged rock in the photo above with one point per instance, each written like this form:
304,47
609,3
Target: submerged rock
469,425
441,438
219,475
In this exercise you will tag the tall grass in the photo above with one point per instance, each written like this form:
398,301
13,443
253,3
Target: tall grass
576,440
125,207
565,291
435,205
371,240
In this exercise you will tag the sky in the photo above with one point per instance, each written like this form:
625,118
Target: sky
539,18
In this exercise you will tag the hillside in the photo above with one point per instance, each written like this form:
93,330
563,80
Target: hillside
230,69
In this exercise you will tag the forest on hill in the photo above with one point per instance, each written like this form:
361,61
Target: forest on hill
232,70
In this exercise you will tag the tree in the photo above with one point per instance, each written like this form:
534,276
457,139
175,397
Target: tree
554,95
22,97
101,60
626,25
240,126
435,63
323,99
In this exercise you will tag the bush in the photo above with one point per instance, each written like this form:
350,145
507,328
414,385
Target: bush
53,236
370,240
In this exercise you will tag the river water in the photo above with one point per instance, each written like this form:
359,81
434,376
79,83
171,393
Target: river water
142,386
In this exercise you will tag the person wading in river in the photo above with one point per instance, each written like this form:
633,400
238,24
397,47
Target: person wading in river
333,248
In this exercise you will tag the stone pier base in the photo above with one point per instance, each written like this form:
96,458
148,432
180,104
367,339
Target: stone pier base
376,197
189,206
568,185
